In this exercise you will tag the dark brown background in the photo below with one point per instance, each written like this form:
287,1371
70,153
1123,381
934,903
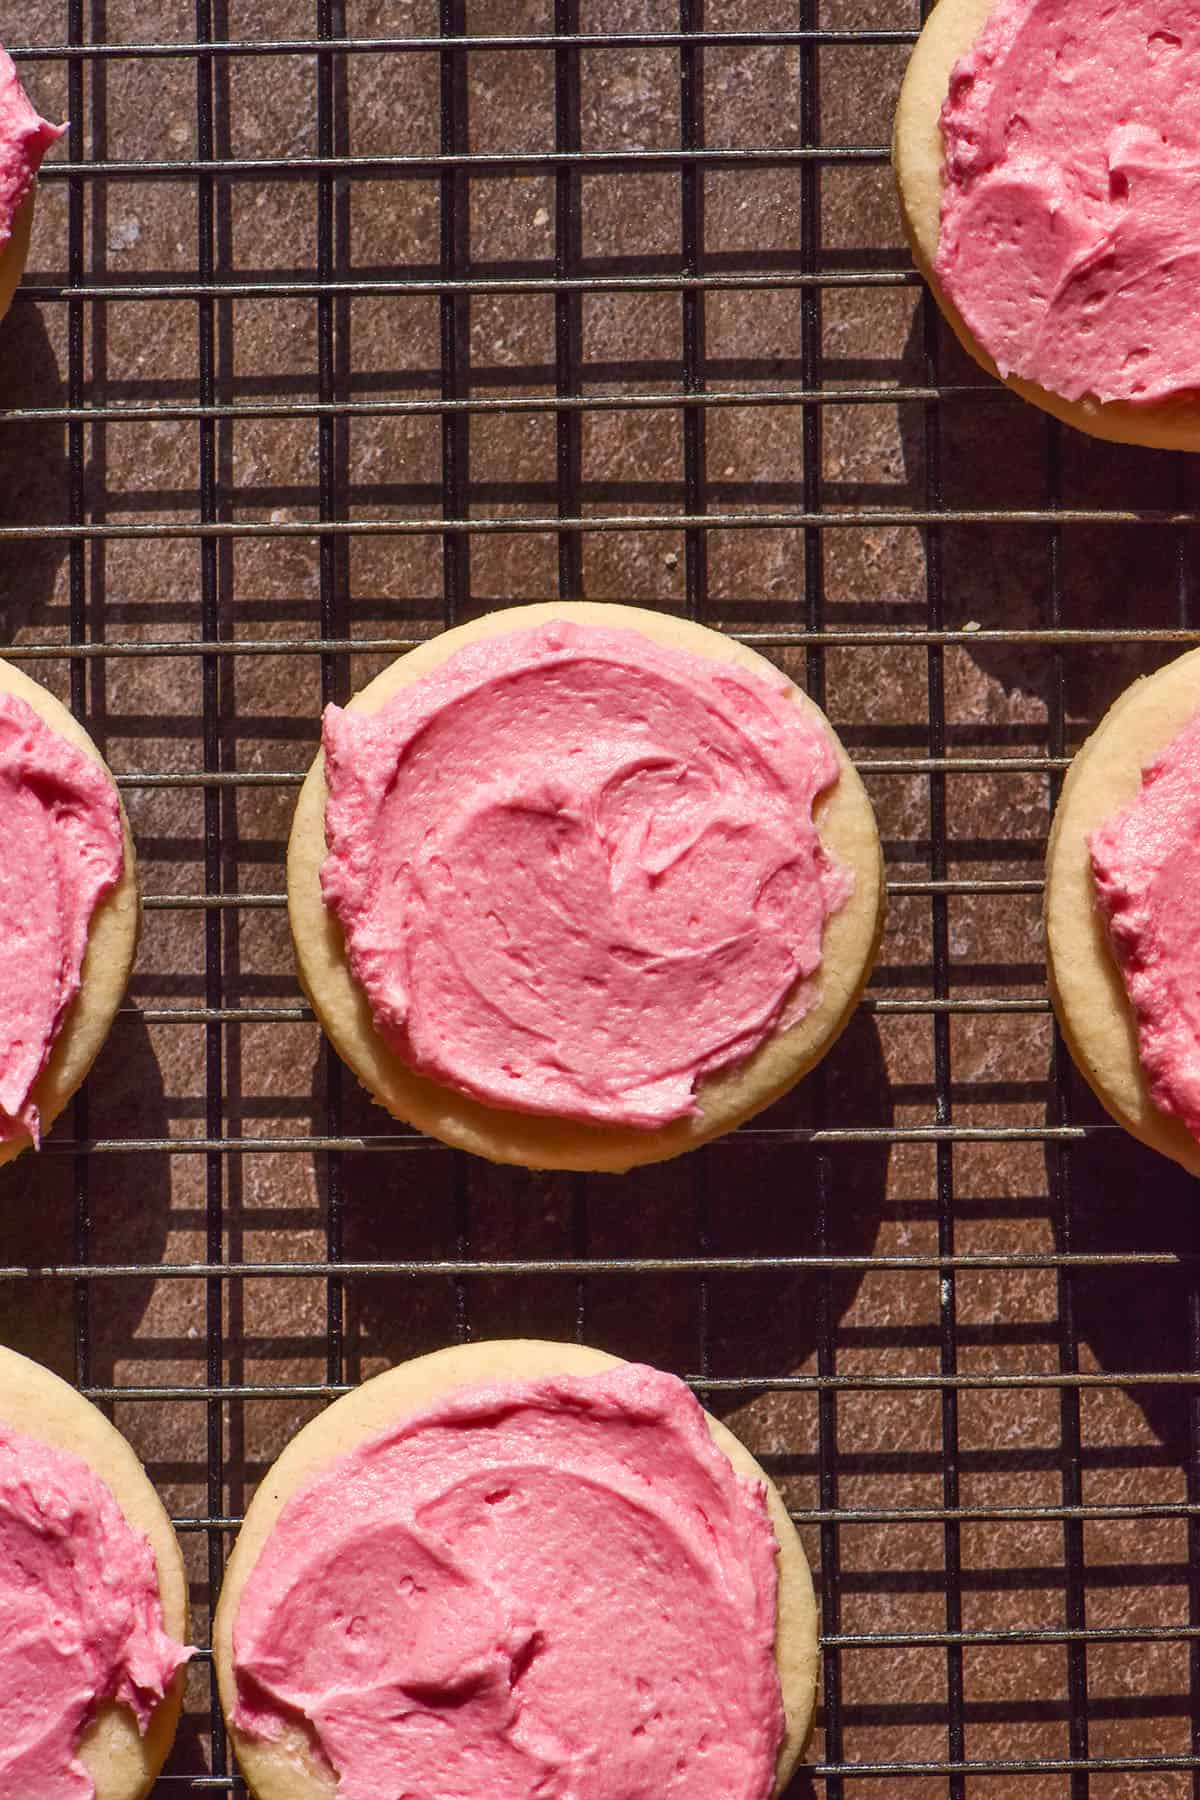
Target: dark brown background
1072,1499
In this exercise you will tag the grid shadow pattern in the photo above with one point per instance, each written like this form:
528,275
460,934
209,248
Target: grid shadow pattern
333,337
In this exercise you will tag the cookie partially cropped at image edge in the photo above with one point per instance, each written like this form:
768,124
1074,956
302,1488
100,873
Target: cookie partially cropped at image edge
25,138
69,911
1123,910
513,1568
581,886
1048,160
93,1600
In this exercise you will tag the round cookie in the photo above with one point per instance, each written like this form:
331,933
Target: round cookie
1085,982
122,1764
846,825
917,156
14,253
286,1768
112,942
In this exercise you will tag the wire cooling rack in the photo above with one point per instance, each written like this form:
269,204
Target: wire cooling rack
347,320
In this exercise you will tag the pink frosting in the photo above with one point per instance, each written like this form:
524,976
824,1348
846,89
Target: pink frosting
24,140
1146,864
555,1588
577,870
60,824
1070,228
81,1619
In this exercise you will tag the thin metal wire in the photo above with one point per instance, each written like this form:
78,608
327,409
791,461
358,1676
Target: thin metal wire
335,674
174,412
572,512
1062,1199
894,1770
194,902
695,542
456,526
944,1154
249,1015
811,325
877,765
925,1639
791,1384
781,639
456,546
745,1138
211,628
1184,593
203,50
438,1269
482,163
76,588
568,436
374,286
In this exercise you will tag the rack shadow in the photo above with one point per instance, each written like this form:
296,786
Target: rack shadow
1127,1200
998,454
754,1196
128,1197
33,470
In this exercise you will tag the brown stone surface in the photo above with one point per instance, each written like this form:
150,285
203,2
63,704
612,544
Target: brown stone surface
756,1197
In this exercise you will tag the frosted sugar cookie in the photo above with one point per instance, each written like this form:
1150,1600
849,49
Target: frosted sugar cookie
515,1568
68,908
1122,887
93,1600
24,140
1048,160
582,886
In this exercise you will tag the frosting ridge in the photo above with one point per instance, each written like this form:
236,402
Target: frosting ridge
1070,219
556,1587
81,1618
61,824
577,870
1146,867
25,138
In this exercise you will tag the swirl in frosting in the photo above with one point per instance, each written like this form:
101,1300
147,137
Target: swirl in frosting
577,870
1070,226
81,1619
556,1587
60,822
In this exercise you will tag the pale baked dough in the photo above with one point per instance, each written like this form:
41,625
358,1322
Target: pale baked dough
288,1769
12,257
112,942
846,825
917,154
122,1764
1085,982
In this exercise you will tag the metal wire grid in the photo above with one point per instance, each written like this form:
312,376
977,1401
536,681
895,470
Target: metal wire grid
454,285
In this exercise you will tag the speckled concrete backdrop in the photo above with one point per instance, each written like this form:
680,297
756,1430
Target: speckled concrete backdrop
753,1198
